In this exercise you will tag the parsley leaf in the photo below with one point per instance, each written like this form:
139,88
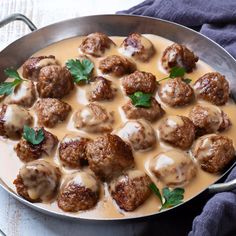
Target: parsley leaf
171,197
32,136
156,190
140,99
7,88
177,72
187,80
80,70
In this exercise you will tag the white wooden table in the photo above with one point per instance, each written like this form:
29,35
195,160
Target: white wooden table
15,218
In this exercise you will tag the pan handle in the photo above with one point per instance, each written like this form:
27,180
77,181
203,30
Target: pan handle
18,16
222,187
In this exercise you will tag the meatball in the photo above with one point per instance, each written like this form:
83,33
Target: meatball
178,55
101,89
27,151
152,113
131,189
173,168
108,155
51,111
33,65
38,181
139,81
72,151
12,120
54,82
208,119
175,92
23,95
139,134
79,192
96,44
138,46
178,131
212,87
94,118
116,66
213,152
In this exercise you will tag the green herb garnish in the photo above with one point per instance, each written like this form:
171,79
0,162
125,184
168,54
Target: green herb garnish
32,136
140,99
177,72
7,88
80,70
170,198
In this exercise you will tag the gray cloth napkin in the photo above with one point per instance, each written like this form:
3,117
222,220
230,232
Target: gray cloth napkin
217,20
213,18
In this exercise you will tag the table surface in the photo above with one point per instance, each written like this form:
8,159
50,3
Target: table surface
15,218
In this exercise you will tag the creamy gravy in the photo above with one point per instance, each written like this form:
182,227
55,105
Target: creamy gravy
106,208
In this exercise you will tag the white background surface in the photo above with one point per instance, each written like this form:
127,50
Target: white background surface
15,218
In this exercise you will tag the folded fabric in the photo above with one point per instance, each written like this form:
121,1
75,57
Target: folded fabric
213,18
217,20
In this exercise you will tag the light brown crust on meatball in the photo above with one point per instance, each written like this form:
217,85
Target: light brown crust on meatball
140,47
139,81
214,152
151,114
73,152
31,69
178,134
95,44
212,87
51,111
74,198
101,90
94,118
29,152
175,92
116,66
130,193
178,55
208,121
109,155
2,121
54,82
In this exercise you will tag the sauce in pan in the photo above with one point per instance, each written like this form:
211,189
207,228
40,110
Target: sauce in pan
106,207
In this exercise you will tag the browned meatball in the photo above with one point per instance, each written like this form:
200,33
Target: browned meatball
175,92
27,151
33,65
139,134
208,119
139,81
12,120
173,168
79,192
116,65
72,151
131,189
214,152
101,89
94,118
54,82
23,95
212,87
178,55
51,111
38,181
96,44
109,155
178,131
152,113
138,46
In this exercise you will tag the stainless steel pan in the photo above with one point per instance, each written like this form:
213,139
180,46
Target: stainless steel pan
210,52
